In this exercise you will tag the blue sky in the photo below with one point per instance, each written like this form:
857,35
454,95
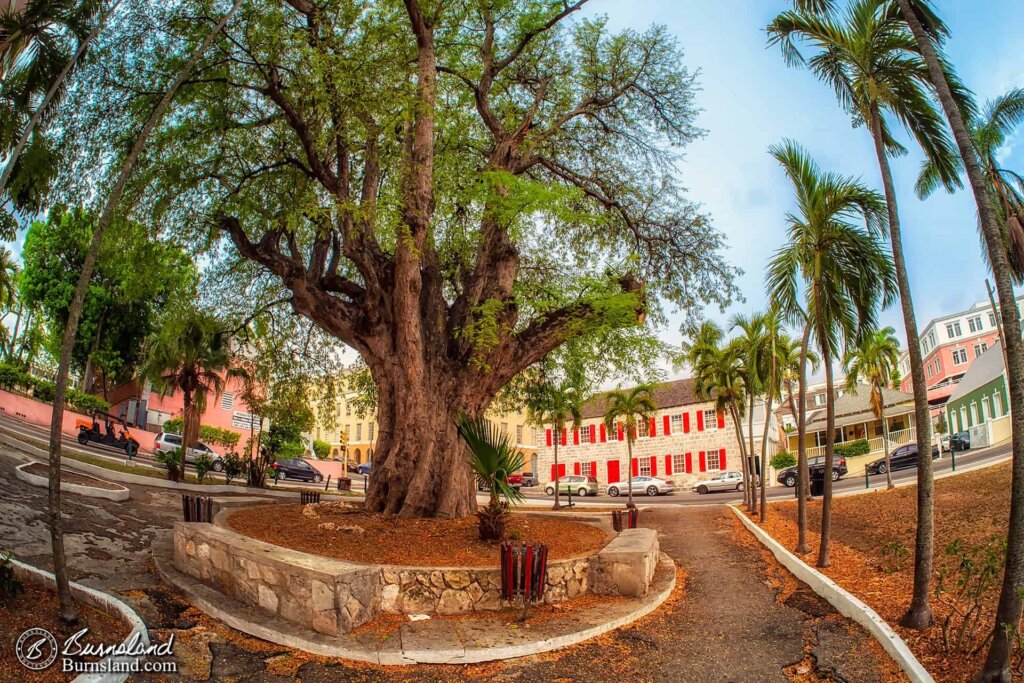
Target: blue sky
751,99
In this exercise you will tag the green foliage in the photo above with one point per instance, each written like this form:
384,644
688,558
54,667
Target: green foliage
12,377
10,585
234,466
203,464
321,449
963,586
853,448
174,462
493,457
783,460
894,554
941,426
208,434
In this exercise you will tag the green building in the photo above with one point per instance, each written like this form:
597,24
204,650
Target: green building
981,397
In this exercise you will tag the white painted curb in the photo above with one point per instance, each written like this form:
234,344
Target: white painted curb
848,605
102,601
118,495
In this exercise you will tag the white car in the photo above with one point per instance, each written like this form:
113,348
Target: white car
726,481
649,486
165,443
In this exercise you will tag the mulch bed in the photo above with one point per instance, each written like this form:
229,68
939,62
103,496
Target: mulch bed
66,477
971,507
347,533
38,607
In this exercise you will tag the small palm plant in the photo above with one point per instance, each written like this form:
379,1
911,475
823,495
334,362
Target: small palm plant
493,457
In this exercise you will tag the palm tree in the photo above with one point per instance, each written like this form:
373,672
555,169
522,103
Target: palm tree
779,351
872,63
875,362
8,273
930,33
493,457
37,31
843,267
558,405
753,348
190,354
719,376
630,407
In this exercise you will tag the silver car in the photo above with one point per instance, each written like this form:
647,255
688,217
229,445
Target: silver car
726,481
166,443
649,486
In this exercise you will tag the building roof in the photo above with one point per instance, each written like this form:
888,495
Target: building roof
681,392
852,408
983,370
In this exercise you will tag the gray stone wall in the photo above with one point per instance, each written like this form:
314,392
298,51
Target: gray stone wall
626,566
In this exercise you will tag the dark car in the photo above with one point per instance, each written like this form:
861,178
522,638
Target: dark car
364,468
903,458
298,469
788,476
961,441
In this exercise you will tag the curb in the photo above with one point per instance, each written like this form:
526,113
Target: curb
117,495
256,623
847,605
102,601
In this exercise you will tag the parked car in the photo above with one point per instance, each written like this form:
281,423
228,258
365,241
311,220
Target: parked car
530,479
650,486
726,481
364,468
298,469
961,441
904,457
578,484
788,476
165,443
515,480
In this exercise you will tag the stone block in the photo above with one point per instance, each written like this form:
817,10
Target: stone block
322,597
389,598
267,598
626,565
457,579
475,592
455,602
326,622
437,579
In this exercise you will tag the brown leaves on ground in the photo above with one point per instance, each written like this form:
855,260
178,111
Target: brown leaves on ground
872,550
329,530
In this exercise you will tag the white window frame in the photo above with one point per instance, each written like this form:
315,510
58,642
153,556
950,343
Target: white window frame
585,469
960,357
717,467
986,408
953,330
974,413
679,463
963,419
676,424
992,319
359,432
710,419
370,430
643,467
975,324
997,404
980,349
519,434
643,428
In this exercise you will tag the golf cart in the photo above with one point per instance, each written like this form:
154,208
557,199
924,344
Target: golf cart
101,430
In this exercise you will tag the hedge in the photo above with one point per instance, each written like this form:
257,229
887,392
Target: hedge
207,433
854,448
783,460
13,377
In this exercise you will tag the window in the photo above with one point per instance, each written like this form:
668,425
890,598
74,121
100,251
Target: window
679,463
974,413
997,404
953,330
348,408
710,419
959,356
677,424
975,323
932,340
369,428
992,319
645,467
227,400
504,428
937,366
359,432
713,461
986,409
980,349
643,426
586,469
819,399
963,418
929,372
519,433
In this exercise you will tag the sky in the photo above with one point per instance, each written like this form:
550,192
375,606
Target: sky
751,100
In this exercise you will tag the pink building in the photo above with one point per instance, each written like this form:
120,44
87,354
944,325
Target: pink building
950,345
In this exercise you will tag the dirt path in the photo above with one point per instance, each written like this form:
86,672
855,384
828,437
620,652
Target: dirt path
740,617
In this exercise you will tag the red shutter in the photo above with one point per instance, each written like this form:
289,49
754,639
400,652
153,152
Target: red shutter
668,465
561,469
689,463
703,462
576,468
604,433
549,437
686,423
576,436
593,434
565,436
593,469
552,473
654,427
700,420
613,471
667,424
721,420
721,459
654,465
636,467
621,437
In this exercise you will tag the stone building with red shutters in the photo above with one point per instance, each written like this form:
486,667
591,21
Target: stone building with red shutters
687,440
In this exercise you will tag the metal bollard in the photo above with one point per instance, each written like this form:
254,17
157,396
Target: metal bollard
327,485
952,455
867,479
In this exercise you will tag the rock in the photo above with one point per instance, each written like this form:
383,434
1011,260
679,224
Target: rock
389,598
580,570
491,601
417,599
310,511
267,598
270,575
455,602
327,526
573,588
555,575
326,622
355,611
437,578
423,579
351,529
475,592
457,580
322,596
190,548
390,575
408,578
219,558
203,551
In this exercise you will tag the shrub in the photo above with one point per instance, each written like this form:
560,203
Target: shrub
44,390
10,585
783,460
234,466
203,463
174,463
12,377
854,448
213,436
173,426
894,554
86,403
964,588
321,449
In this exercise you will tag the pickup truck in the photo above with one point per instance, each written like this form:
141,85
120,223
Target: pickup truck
516,480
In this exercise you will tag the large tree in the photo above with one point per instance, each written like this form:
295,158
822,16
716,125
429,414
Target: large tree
452,189
875,362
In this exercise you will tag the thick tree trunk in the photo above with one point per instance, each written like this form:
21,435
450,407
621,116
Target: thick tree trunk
558,437
830,443
919,616
67,609
803,486
997,663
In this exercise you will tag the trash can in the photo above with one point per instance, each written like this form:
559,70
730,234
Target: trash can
817,482
344,484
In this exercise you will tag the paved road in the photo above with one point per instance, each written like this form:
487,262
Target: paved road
740,619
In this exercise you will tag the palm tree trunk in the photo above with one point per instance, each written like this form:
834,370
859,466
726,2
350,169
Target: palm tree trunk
830,438
803,486
738,421
919,616
558,437
885,445
54,87
629,465
60,569
751,486
9,353
764,452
